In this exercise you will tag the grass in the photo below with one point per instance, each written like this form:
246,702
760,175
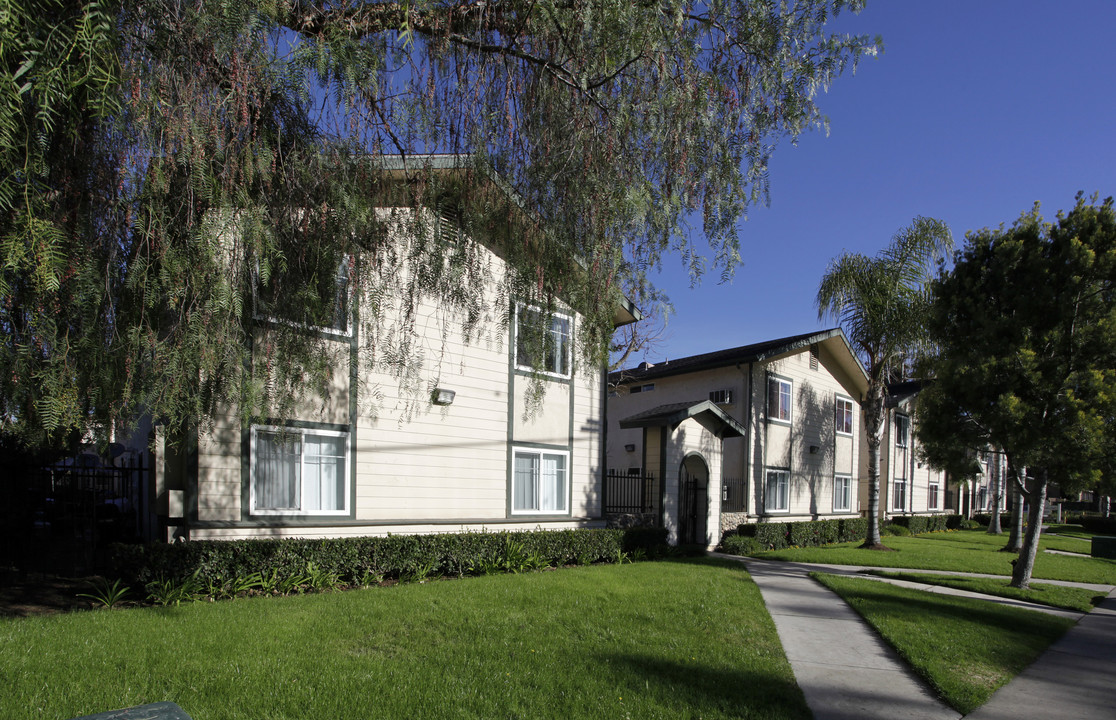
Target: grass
958,551
964,648
649,640
1068,598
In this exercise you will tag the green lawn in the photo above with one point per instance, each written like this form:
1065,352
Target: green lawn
963,551
1069,598
964,648
649,640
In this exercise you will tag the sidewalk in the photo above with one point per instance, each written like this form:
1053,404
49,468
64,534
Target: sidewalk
846,671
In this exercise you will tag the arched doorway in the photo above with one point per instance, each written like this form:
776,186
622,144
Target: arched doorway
693,500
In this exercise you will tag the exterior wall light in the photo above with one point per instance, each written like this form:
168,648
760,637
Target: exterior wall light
813,449
442,396
630,447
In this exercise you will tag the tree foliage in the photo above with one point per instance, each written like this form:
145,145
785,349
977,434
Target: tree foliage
881,303
165,159
1025,333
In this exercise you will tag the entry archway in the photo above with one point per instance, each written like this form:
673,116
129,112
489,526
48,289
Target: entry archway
693,500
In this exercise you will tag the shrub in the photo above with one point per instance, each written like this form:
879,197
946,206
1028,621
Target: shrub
918,524
740,545
896,530
985,519
351,561
1099,525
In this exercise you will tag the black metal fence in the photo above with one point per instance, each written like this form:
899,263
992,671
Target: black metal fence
629,493
733,497
62,517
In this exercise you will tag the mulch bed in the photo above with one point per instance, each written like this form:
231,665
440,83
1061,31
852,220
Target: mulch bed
35,594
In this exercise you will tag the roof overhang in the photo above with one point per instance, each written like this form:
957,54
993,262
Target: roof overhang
707,414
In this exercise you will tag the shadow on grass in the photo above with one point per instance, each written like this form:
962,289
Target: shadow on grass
696,690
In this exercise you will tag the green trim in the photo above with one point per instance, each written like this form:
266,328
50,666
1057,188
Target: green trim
354,386
662,474
570,415
509,454
190,471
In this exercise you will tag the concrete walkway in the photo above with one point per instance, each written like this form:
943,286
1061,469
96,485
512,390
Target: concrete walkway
846,671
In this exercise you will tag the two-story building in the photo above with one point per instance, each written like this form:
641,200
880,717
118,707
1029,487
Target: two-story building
780,436
487,430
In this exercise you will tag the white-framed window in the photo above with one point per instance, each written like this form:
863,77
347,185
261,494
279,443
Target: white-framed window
844,419
776,497
540,482
842,493
299,471
721,397
542,342
778,399
899,496
902,430
325,308
933,497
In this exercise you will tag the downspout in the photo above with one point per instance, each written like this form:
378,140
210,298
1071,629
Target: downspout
748,438
603,459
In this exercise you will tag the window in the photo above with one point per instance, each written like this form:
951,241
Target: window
778,399
933,498
543,342
842,493
641,388
776,497
814,356
295,471
306,293
721,397
844,415
539,483
902,430
899,497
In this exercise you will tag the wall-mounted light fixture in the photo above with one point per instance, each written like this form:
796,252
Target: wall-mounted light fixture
630,447
442,396
813,449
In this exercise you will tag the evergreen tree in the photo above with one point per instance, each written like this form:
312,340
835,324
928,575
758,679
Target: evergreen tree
1025,333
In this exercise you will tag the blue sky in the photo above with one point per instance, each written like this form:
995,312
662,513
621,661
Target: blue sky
976,110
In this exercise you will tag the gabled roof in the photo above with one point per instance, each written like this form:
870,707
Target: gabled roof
708,415
756,352
900,392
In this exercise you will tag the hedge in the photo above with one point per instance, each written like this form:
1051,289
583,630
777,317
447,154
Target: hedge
1099,525
918,524
390,556
778,535
985,519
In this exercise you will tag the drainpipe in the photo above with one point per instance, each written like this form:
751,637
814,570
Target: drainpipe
749,437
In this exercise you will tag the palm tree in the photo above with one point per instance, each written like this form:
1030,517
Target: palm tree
882,304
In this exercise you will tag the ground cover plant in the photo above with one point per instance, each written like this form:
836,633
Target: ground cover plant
964,648
960,551
1059,596
646,640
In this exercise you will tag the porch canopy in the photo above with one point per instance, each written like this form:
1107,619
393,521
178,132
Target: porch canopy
704,412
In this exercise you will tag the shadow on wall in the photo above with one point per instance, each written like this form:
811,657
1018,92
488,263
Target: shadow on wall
812,440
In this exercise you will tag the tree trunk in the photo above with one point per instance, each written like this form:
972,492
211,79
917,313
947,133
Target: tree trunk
1015,540
997,495
873,409
1036,496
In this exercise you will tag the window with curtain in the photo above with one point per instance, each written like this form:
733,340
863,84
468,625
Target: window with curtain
542,342
777,495
842,493
540,483
844,415
778,399
299,471
899,497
